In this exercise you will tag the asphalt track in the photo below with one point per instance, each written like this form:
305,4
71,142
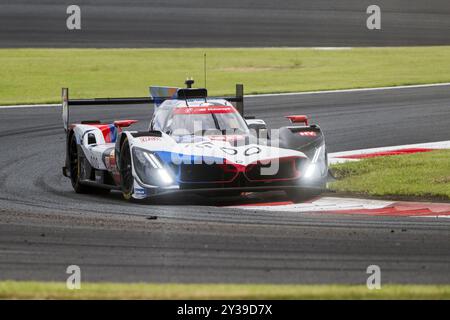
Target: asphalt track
217,23
45,226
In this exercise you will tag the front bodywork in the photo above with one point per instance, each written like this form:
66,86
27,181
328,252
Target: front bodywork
162,165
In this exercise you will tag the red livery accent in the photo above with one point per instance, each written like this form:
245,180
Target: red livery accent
204,110
308,133
108,131
298,119
124,123
387,153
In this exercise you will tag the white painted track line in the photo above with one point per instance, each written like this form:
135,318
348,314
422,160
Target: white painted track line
30,106
350,90
324,204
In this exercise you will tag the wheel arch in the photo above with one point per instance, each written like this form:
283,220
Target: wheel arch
118,146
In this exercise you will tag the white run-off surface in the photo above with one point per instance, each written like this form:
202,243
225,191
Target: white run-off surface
336,205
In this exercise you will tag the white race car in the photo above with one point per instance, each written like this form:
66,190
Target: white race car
194,144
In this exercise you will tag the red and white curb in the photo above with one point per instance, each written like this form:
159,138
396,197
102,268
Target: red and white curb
354,206
335,205
356,155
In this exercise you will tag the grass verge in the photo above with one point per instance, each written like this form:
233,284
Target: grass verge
54,290
37,75
425,175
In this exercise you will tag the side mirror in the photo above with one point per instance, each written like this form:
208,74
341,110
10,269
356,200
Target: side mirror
257,126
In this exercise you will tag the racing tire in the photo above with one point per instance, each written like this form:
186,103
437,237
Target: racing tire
126,171
75,169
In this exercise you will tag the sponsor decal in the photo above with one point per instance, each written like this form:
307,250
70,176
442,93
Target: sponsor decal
110,164
140,192
149,139
204,110
227,138
110,160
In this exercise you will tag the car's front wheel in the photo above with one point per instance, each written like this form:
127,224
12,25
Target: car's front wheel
126,170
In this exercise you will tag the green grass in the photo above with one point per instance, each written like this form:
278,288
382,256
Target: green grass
54,290
424,175
37,75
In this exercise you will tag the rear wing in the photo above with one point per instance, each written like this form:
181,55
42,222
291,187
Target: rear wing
156,98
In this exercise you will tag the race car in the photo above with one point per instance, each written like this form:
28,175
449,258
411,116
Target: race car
196,144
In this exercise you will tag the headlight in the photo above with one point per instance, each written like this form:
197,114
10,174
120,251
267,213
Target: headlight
318,166
311,171
149,168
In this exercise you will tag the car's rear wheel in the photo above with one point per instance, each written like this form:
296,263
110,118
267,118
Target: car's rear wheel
126,170
75,169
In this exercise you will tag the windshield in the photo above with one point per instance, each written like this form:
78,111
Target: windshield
209,120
